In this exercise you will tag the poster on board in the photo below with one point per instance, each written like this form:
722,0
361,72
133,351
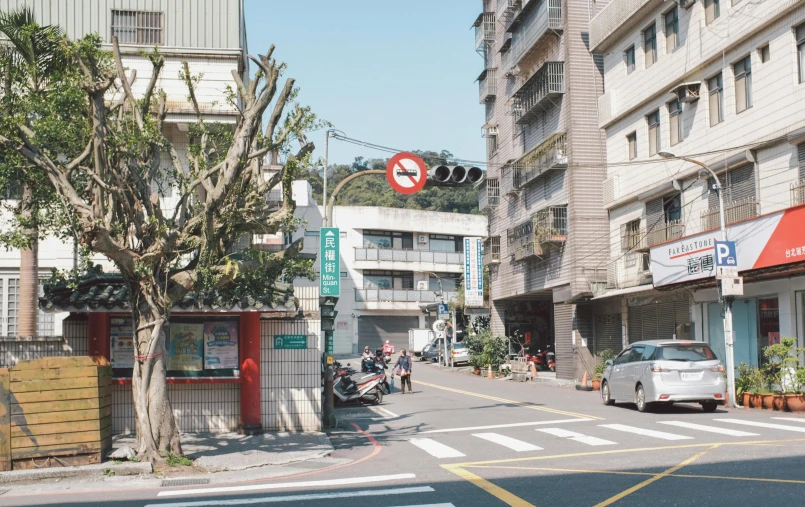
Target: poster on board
185,347
220,345
121,351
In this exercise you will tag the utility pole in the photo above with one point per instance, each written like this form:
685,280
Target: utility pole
729,341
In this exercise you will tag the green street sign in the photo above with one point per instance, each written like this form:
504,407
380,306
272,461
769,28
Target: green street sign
330,263
290,341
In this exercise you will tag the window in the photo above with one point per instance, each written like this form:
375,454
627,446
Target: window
388,240
12,306
671,29
631,235
388,279
632,140
743,84
312,233
650,45
653,121
441,243
675,121
800,35
45,322
628,57
715,88
672,208
636,354
623,357
712,10
136,27
450,282
764,53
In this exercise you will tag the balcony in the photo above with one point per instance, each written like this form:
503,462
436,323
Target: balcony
550,225
735,211
492,251
798,193
484,30
423,256
507,9
549,155
530,25
487,85
489,194
546,84
507,182
666,231
629,270
633,239
400,296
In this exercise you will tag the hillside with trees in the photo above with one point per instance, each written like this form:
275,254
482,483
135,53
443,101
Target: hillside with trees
375,191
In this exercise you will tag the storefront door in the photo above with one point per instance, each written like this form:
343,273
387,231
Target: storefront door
745,326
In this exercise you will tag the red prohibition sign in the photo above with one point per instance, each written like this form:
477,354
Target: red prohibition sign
406,173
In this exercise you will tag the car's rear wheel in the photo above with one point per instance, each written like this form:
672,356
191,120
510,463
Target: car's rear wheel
709,406
640,399
606,396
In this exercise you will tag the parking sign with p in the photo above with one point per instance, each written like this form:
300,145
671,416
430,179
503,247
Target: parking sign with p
726,259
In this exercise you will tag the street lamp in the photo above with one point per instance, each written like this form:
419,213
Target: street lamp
727,300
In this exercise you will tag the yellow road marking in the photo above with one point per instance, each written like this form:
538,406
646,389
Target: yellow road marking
481,464
644,474
494,490
512,402
625,493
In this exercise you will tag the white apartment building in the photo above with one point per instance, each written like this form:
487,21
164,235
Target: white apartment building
210,36
721,82
393,261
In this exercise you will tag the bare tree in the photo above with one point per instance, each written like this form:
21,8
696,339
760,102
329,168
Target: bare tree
111,190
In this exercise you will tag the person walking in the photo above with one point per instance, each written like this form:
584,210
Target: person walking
404,363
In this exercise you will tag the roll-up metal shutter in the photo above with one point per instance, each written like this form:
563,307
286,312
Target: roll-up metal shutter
563,327
658,320
665,320
801,159
712,198
742,183
635,324
608,333
374,331
681,312
654,213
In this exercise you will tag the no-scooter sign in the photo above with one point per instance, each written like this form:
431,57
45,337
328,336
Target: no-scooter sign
406,173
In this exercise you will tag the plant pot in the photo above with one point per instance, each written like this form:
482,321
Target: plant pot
768,401
779,403
795,402
755,401
745,400
596,385
477,370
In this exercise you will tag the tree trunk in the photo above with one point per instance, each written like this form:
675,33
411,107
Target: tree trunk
157,433
29,273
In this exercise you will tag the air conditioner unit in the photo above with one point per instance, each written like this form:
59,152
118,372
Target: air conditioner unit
423,238
422,285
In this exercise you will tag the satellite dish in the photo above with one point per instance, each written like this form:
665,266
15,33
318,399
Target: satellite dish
676,185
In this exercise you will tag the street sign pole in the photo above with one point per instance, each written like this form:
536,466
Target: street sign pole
329,291
726,268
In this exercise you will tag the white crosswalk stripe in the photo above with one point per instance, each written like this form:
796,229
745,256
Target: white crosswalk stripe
435,449
799,429
794,419
709,429
576,437
511,443
647,433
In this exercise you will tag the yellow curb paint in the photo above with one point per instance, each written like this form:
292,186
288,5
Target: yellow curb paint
512,402
496,491
625,493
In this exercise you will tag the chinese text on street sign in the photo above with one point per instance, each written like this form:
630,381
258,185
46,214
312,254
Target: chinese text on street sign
473,273
290,341
330,263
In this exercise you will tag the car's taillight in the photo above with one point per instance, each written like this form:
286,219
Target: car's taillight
656,368
717,368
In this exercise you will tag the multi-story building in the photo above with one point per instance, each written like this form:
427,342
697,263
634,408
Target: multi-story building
545,157
721,83
393,262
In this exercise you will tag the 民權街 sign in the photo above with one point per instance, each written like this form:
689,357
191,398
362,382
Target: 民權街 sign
330,263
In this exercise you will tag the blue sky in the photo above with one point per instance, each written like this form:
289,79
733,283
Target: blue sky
394,73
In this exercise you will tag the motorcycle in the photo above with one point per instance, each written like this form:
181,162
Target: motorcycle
364,387
543,360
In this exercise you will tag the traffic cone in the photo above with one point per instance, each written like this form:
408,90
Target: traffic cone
584,379
533,370
489,372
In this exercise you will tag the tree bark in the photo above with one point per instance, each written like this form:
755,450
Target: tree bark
29,274
157,432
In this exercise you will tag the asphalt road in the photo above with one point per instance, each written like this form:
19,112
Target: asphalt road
466,441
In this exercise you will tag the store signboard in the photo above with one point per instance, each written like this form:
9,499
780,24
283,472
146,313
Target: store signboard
186,347
473,273
221,345
769,240
121,336
290,341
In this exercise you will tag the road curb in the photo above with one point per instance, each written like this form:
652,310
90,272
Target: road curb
84,471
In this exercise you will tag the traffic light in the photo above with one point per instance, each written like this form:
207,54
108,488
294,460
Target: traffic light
451,175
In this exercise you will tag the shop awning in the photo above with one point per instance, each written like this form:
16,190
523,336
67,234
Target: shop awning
627,290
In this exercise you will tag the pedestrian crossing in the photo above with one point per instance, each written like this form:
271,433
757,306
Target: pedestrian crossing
550,438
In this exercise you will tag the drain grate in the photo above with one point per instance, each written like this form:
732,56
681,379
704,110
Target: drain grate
172,483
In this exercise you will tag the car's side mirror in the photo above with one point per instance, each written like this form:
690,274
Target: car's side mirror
609,362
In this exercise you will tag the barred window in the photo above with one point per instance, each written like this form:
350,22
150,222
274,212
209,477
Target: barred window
137,27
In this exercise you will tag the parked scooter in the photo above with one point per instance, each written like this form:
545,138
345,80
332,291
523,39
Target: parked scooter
362,387
544,360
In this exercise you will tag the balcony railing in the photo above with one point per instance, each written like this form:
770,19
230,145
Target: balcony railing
547,83
489,194
798,193
507,9
666,231
400,296
629,270
549,155
633,240
391,255
487,85
550,225
492,251
734,211
532,24
485,29
507,185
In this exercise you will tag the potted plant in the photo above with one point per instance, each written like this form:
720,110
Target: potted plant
783,365
796,401
601,366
